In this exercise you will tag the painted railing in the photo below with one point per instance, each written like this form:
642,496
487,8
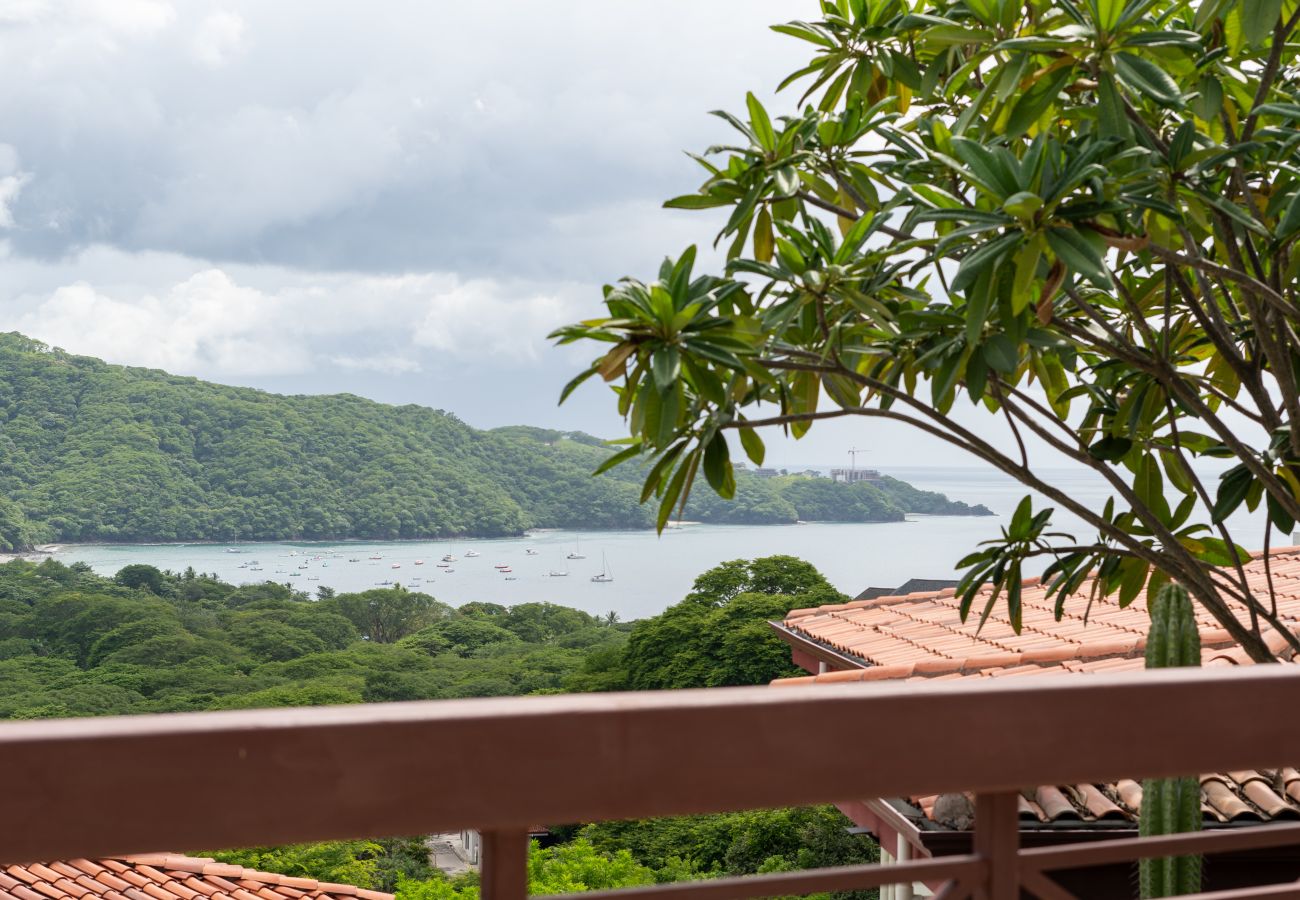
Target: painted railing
86,787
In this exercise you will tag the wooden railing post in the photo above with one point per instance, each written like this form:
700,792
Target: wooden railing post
997,841
505,865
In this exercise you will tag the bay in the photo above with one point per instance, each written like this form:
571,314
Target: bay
650,572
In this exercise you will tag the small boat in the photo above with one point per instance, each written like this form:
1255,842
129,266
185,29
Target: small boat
502,566
505,571
377,556
444,565
555,574
396,566
605,575
324,565
233,550
530,551
511,578
419,562
385,583
313,578
243,565
449,570
577,550
470,554
449,558
355,559
303,566
295,574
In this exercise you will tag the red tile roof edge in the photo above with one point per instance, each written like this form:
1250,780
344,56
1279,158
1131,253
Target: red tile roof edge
166,869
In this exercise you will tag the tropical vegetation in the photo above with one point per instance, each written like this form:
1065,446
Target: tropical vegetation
1077,216
73,643
96,452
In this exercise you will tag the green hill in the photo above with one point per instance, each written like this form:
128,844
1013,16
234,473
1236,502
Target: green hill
97,452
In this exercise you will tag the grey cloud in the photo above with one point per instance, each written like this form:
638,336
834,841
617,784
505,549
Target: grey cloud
404,136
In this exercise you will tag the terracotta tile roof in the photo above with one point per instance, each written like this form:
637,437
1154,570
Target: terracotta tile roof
924,630
163,876
921,636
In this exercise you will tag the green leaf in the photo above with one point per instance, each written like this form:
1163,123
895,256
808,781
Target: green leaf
1131,582
1036,101
1106,14
1289,223
1111,448
717,467
1001,354
1145,77
1019,527
1233,487
1026,263
763,241
762,125
985,256
1258,19
696,201
1079,255
1111,120
622,456
1023,204
753,445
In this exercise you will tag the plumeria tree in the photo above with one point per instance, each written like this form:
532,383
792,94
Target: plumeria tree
1077,215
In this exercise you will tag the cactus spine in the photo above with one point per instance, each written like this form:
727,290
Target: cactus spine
1171,805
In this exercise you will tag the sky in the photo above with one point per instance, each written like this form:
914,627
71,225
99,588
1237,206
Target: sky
397,200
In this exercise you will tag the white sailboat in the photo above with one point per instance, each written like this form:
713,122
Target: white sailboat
605,575
577,550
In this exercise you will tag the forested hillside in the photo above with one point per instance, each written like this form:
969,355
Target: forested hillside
92,451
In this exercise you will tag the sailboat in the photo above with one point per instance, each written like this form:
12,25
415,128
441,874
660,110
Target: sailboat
605,574
560,573
577,548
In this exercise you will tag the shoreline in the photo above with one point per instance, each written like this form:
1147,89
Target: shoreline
37,554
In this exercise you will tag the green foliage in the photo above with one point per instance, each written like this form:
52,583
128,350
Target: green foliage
1171,805
94,452
16,532
562,869
385,615
139,575
719,634
1078,217
73,643
375,865
742,843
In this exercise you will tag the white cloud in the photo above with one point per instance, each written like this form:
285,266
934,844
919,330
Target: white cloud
220,36
136,18
240,321
10,185
383,364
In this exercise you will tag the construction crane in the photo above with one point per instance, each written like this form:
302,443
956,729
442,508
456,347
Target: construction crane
853,458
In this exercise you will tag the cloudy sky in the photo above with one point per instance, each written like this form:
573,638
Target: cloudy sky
397,199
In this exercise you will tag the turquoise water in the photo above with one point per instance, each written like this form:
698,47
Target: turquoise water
650,572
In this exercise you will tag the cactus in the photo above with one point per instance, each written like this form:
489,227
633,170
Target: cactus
1171,805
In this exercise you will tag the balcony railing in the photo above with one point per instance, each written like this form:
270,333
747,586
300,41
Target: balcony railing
87,787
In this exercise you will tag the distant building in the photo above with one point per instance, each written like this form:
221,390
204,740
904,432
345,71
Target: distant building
853,476
911,586
765,473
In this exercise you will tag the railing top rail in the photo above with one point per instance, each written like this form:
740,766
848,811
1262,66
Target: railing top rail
276,776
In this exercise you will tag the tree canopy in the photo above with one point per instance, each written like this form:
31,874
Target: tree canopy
1079,216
